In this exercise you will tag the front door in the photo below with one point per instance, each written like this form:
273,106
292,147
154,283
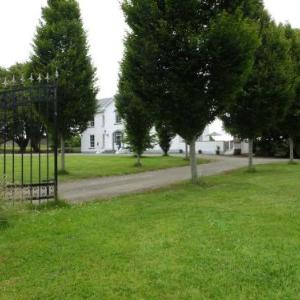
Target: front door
117,140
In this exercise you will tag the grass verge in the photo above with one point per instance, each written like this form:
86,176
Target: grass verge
234,237
89,166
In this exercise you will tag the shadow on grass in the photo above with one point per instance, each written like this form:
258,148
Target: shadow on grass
62,173
251,170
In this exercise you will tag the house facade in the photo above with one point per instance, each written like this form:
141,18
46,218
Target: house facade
105,135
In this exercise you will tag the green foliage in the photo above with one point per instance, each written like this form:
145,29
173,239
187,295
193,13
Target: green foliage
135,116
269,91
74,141
61,43
165,136
290,126
187,61
193,58
271,144
24,127
3,74
237,237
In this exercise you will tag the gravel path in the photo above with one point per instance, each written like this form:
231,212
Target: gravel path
106,187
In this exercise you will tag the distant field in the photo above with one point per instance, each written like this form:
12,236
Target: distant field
235,237
29,173
89,166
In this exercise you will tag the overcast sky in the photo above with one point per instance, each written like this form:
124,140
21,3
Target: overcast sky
104,23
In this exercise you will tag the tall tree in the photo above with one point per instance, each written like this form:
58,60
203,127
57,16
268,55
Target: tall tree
269,91
26,124
136,118
165,135
61,43
188,60
18,119
290,126
3,74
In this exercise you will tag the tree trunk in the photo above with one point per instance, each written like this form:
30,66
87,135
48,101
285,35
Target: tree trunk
291,145
193,161
186,151
250,165
62,142
138,160
22,148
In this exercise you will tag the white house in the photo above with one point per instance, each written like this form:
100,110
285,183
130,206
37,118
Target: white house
105,135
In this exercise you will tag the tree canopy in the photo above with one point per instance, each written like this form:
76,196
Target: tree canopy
135,117
268,93
188,60
290,126
60,43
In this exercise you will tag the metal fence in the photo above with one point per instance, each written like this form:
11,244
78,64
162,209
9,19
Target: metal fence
28,140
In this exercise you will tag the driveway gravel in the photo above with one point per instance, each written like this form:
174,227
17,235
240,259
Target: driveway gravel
107,187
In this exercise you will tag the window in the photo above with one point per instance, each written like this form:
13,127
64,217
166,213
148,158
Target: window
92,141
103,120
118,118
92,123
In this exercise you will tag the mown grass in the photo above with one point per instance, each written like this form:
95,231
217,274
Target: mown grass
88,166
234,237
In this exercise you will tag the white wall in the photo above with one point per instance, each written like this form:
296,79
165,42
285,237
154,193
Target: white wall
104,135
103,131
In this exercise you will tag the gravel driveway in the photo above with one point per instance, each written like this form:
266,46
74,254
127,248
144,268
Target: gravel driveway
106,187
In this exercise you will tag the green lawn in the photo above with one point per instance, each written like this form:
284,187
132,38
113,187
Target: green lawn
89,166
235,237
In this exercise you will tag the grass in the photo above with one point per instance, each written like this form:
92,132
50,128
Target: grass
81,167
234,237
90,166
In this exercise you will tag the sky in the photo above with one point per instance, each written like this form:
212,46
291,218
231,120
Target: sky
104,22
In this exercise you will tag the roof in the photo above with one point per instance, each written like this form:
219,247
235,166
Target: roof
104,103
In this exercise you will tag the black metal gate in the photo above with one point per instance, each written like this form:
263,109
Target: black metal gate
28,141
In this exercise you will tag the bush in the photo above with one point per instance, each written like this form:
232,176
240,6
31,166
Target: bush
271,146
74,141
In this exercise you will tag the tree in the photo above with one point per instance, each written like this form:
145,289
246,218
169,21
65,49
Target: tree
268,93
17,121
187,60
26,125
61,43
3,74
290,126
135,117
165,135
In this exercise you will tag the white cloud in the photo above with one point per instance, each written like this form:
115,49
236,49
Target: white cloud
284,11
